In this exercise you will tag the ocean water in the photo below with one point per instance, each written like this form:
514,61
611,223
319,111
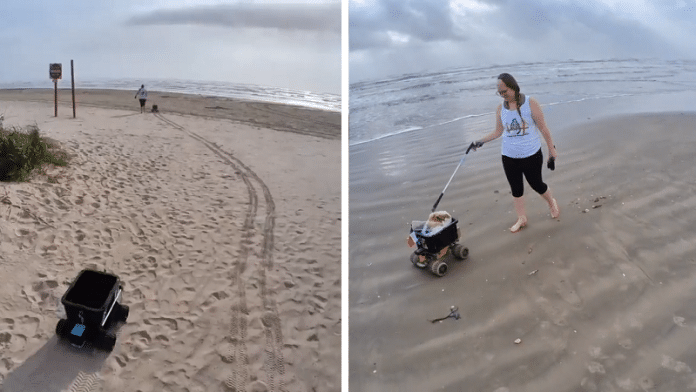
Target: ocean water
330,102
464,98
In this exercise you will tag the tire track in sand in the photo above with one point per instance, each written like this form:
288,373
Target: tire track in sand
85,383
273,363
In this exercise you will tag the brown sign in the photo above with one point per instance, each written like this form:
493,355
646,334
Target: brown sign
56,70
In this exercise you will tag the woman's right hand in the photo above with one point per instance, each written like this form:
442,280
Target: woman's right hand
474,146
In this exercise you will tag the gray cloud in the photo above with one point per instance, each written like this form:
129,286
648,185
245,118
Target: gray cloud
303,16
510,32
580,24
299,46
419,21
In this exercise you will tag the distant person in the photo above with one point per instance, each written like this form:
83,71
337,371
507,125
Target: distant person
143,97
519,120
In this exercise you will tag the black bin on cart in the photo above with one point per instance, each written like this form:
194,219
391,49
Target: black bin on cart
92,308
428,245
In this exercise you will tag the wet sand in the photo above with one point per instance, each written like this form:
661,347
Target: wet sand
601,299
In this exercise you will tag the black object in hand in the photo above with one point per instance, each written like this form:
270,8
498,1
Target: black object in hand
474,146
552,163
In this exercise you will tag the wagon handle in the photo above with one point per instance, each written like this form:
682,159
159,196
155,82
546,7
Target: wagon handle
473,146
111,308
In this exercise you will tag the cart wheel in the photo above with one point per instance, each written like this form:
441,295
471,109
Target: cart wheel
61,327
415,259
460,251
439,268
123,314
108,342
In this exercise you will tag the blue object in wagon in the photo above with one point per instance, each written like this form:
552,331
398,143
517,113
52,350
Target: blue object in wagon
78,329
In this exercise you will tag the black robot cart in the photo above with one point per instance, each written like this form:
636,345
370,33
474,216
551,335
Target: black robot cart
92,308
431,245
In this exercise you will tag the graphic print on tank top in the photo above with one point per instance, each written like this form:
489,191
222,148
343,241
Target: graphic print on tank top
515,127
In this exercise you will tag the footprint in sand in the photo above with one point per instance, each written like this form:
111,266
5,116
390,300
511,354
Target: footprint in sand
42,294
46,242
255,386
258,386
626,343
226,352
596,367
596,352
167,323
80,235
13,342
672,364
565,289
172,378
61,205
213,298
13,336
6,364
106,235
558,317
646,383
162,339
7,324
122,360
318,303
141,336
136,343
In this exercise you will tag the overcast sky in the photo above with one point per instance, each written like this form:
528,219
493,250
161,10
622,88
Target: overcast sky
393,37
282,43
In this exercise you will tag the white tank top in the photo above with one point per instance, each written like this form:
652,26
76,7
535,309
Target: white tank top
520,139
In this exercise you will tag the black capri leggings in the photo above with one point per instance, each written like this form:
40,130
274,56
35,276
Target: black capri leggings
530,167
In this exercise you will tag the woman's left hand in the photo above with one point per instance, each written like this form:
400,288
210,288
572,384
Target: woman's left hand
552,152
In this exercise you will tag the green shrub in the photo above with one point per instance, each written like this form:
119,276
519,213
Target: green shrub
23,152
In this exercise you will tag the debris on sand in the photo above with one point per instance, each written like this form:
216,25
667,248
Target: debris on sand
453,314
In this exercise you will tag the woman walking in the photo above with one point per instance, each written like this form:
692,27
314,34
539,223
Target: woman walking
143,97
519,121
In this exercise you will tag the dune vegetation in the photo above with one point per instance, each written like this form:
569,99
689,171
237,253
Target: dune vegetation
23,152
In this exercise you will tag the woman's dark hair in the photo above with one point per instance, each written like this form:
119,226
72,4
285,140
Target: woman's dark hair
511,83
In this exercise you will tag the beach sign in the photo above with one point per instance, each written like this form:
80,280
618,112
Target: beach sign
56,70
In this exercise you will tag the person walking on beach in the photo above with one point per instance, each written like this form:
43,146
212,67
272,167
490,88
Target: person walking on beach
519,120
143,97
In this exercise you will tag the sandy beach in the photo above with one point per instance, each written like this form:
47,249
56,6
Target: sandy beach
222,219
600,300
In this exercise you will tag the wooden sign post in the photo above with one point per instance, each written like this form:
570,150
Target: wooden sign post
72,78
55,70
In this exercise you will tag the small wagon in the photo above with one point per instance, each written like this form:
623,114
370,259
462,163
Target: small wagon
92,308
433,247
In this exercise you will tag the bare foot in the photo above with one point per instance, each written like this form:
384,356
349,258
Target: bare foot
521,222
555,211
